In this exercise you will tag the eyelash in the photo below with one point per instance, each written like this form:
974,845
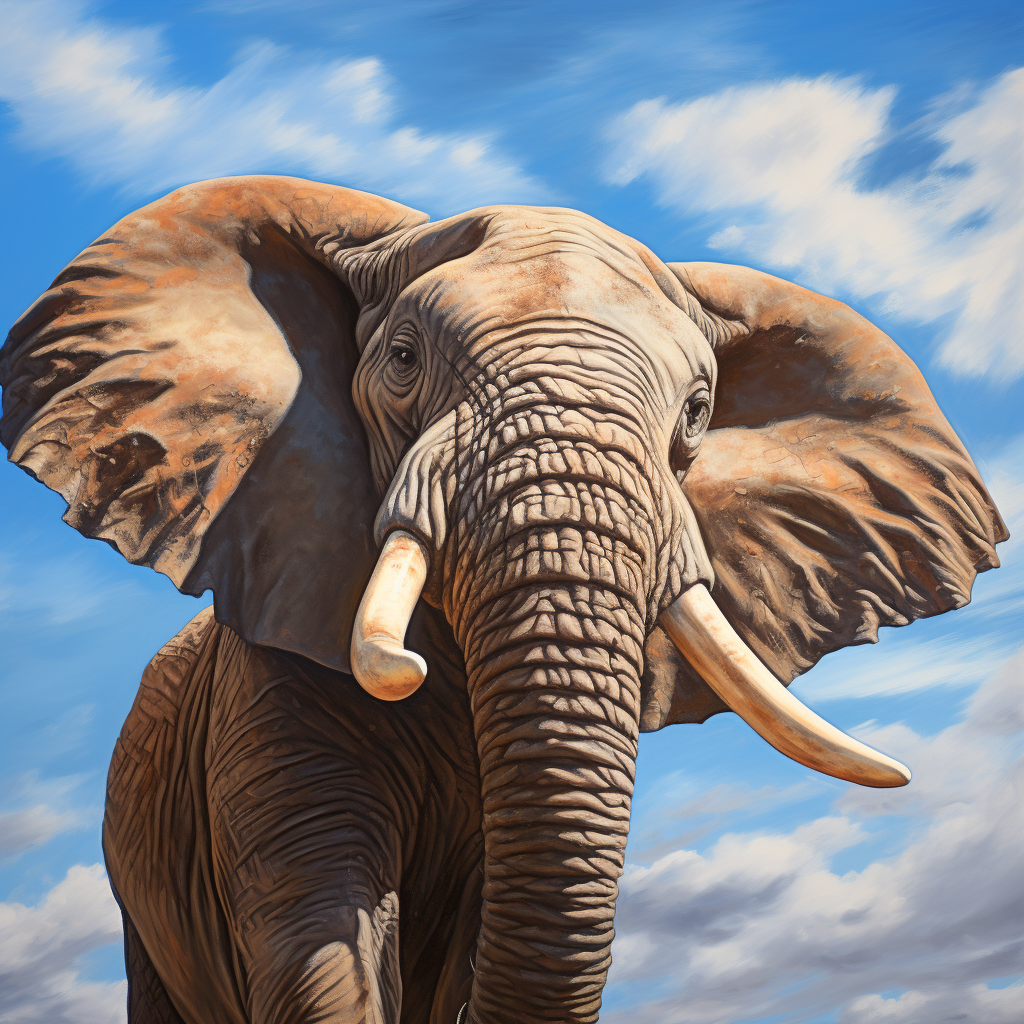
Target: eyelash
401,368
696,414
697,411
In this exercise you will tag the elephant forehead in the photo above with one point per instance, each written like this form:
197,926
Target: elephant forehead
609,297
540,273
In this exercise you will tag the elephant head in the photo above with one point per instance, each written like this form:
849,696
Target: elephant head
322,407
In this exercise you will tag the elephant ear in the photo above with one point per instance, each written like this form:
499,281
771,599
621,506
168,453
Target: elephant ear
832,495
185,385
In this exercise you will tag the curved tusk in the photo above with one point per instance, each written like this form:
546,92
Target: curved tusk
381,664
707,640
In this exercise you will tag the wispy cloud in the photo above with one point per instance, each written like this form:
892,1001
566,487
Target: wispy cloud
1004,473
36,826
37,810
778,166
907,666
41,949
52,594
762,924
99,96
686,811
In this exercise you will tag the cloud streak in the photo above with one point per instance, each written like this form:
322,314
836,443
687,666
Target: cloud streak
41,949
779,165
35,826
90,92
908,666
763,924
1004,472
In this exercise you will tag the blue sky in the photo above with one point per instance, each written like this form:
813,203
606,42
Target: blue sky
873,151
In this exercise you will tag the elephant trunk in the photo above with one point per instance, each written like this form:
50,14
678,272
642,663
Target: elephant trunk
553,638
555,711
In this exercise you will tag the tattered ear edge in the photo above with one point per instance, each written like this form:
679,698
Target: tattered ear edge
165,301
857,509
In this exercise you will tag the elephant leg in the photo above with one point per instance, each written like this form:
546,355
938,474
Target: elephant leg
455,982
261,815
156,840
148,1002
340,967
307,825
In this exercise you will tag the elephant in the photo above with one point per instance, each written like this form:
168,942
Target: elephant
479,501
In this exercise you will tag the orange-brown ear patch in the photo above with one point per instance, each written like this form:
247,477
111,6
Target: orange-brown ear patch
186,386
832,495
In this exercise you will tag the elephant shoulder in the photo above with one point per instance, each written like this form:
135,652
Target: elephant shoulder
161,689
172,700
153,774
189,639
157,822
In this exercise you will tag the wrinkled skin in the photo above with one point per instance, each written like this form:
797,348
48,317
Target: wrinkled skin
285,847
563,520
534,389
565,517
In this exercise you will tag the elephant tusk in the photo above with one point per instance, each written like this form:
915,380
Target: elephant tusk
381,664
705,638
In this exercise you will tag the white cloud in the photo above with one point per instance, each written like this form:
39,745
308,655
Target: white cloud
97,95
40,950
976,1004
37,810
778,166
762,924
35,826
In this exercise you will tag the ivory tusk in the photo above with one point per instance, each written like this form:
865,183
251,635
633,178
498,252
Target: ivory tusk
707,640
381,664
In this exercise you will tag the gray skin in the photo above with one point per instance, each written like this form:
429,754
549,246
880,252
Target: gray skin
533,390
565,518
555,436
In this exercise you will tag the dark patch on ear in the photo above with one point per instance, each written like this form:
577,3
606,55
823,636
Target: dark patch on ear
327,514
40,378
115,400
115,469
785,375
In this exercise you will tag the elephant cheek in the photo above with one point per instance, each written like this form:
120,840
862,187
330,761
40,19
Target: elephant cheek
417,499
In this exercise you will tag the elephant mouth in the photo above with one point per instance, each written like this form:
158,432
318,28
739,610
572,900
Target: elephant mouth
696,625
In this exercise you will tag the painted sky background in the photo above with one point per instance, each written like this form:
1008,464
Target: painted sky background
873,151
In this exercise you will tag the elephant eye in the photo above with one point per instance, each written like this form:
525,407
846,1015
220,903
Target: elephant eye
696,413
402,364
401,367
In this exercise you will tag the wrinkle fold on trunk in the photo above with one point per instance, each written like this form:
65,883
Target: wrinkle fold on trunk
554,652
